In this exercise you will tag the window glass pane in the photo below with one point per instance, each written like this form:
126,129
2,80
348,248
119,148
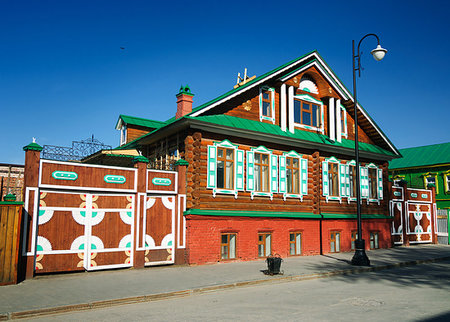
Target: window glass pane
224,239
315,110
299,244
332,248
295,181
292,237
233,246
230,154
268,245
266,109
306,107
292,249
220,153
289,180
261,250
295,163
266,95
257,158
257,178
224,252
338,242
297,111
306,118
220,174
265,159
230,176
265,178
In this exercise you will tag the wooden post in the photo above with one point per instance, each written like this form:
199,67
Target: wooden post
180,254
433,215
31,189
140,162
404,184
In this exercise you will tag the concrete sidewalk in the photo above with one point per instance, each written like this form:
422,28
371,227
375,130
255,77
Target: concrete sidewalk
81,291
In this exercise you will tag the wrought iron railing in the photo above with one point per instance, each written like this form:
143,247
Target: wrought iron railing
78,151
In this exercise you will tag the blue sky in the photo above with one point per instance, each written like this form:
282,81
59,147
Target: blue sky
63,76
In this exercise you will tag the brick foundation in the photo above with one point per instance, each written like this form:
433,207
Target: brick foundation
204,232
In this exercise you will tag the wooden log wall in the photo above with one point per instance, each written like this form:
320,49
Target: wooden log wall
199,197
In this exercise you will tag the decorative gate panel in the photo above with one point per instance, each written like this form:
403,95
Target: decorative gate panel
78,231
419,222
397,223
159,229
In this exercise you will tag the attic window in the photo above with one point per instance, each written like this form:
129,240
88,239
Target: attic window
307,84
123,135
267,104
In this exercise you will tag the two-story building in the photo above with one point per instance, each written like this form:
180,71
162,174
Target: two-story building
271,165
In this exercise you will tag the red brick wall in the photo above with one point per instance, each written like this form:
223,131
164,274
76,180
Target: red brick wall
203,235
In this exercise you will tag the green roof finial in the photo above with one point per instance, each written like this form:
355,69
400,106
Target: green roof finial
10,197
185,90
33,146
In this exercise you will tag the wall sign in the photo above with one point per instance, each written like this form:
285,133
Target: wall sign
111,178
65,175
161,181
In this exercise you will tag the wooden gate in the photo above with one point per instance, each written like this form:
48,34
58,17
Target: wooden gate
91,217
414,213
442,226
78,230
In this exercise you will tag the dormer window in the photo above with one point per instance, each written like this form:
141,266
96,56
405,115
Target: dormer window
267,104
308,112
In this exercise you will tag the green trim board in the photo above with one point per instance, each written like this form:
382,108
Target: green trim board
240,213
279,214
11,202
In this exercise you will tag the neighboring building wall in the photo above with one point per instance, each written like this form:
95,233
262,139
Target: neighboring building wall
11,180
415,178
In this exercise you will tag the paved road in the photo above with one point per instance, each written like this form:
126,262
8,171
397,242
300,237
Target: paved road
415,293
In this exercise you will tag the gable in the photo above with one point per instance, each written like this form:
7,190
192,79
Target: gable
282,74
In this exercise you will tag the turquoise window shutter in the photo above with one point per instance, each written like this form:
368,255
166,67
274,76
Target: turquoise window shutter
282,185
273,173
342,181
304,176
364,178
250,171
325,184
239,170
347,179
212,164
380,183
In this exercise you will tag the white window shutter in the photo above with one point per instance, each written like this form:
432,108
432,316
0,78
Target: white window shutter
304,176
250,171
240,170
273,173
347,179
282,171
364,181
342,181
212,165
380,183
325,183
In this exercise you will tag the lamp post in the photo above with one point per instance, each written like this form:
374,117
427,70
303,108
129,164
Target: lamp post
360,258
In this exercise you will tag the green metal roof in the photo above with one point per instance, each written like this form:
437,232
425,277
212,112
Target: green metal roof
236,122
141,121
422,156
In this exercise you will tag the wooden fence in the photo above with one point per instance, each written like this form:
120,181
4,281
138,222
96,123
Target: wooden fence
10,228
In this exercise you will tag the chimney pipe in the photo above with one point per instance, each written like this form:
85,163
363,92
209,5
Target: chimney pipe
184,101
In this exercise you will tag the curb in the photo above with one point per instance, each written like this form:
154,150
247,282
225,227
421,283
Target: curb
203,290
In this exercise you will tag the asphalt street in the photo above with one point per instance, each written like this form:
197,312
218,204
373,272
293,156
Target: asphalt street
414,293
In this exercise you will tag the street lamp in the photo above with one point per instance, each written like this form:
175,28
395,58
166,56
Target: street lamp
360,258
